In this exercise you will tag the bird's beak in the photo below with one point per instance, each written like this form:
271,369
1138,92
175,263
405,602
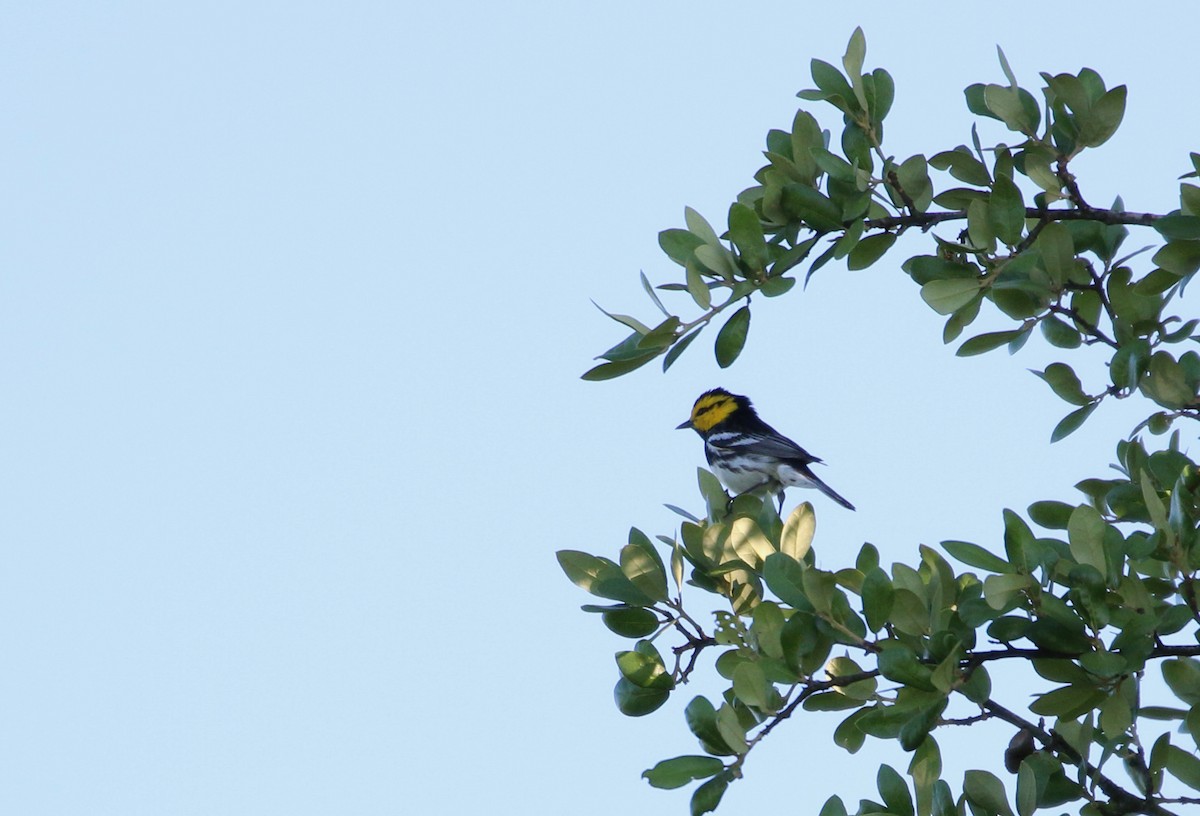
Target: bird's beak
684,425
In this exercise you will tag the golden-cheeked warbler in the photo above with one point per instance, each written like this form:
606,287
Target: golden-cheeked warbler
746,453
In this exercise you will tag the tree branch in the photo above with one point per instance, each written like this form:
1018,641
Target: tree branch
977,658
929,219
1069,184
809,690
1120,800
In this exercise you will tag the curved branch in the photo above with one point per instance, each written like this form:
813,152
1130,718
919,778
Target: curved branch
1121,801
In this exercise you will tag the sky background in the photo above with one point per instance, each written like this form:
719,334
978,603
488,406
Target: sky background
294,299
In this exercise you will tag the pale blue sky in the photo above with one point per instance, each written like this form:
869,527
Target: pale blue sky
294,298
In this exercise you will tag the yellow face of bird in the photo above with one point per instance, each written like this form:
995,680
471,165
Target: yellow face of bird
712,409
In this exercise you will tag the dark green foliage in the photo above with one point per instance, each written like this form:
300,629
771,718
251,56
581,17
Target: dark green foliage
1090,607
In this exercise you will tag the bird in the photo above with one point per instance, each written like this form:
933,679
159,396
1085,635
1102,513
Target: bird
746,453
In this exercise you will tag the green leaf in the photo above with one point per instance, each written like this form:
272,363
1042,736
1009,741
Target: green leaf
849,240
1180,258
1115,716
748,540
751,686
679,244
913,174
699,226
1167,382
917,725
1007,210
677,772
625,320
878,594
1071,422
798,531
979,226
1189,197
899,664
1053,515
708,796
630,622
1027,791
848,734
949,295
1065,383
960,320
975,101
943,800
1178,227
711,489
833,807
975,556
774,287
784,576
635,701
731,728
746,232
1018,541
628,349
1067,702
1086,530
894,791
999,590
1184,766
1154,504
1008,107
732,337
1058,333
1099,124
819,589
852,61
697,287
680,346
608,371
677,565
654,297
1057,249
1037,167
701,720
1008,71
805,135
601,577
1183,677
805,203
986,791
885,94
962,166
718,260
869,250
925,268
982,343
767,629
643,666
643,566
925,770
661,336
831,83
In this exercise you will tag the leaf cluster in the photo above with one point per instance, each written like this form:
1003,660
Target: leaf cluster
1089,610
1088,596
1028,243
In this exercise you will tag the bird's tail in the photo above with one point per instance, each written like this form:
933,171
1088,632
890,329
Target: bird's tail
829,491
